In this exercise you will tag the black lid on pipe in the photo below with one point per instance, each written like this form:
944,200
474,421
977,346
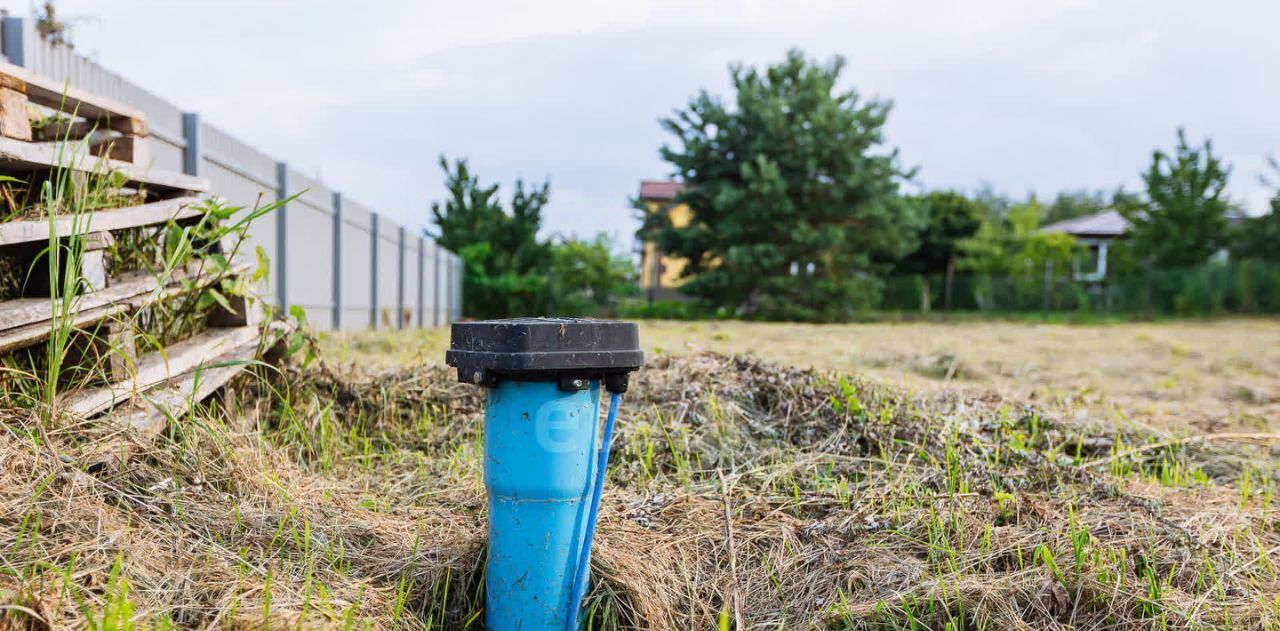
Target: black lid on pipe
571,351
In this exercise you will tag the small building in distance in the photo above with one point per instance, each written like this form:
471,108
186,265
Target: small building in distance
1096,232
659,273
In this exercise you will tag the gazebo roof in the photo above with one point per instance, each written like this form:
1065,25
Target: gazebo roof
1106,224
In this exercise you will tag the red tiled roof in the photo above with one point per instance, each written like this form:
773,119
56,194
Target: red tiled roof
660,190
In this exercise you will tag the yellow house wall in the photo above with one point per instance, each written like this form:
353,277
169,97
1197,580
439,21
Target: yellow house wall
671,265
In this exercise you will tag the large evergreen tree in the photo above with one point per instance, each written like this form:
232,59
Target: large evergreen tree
1183,219
794,196
506,265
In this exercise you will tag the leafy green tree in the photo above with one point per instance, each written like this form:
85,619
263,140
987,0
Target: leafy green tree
588,277
1014,244
794,199
1183,219
1259,237
949,217
1078,203
505,265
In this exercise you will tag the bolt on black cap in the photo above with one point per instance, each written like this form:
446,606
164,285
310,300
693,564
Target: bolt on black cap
569,351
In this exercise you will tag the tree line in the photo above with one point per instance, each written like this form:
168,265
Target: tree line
800,211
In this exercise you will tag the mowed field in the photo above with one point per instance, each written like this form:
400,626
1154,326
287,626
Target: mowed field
1194,376
975,476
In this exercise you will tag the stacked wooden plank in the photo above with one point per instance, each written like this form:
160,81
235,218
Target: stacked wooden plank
41,124
37,112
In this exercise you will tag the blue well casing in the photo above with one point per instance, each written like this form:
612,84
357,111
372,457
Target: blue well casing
540,445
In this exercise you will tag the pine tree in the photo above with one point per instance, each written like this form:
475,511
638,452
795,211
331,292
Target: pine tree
506,265
794,197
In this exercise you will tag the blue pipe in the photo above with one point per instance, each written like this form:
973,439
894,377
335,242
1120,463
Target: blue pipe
538,469
584,559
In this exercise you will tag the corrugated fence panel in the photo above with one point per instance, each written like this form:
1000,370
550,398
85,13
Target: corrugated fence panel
412,317
439,285
165,155
309,251
388,273
357,268
245,177
429,297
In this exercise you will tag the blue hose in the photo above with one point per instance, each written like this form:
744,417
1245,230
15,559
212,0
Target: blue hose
584,559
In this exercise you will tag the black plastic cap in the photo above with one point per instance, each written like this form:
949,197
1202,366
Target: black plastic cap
570,351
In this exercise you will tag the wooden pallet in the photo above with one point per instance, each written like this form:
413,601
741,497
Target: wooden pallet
145,416
37,119
43,124
121,130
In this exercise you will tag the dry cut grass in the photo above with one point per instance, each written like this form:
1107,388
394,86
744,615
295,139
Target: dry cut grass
742,494
1194,376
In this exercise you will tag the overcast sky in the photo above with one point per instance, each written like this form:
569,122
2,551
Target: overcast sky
1025,96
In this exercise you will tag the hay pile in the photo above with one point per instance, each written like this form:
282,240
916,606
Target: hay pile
741,493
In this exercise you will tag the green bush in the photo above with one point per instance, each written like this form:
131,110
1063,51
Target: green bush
671,310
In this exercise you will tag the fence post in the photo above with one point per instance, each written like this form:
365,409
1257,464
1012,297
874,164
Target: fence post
373,276
282,241
1048,286
337,261
435,287
13,30
422,260
400,278
193,152
448,279
454,289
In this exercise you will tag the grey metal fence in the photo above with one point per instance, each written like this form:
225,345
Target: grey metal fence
356,270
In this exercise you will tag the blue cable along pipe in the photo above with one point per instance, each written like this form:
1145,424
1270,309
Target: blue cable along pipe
584,558
544,463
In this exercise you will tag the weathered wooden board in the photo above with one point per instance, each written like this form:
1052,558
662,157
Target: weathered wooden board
37,230
23,312
179,360
16,155
144,418
13,115
27,321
